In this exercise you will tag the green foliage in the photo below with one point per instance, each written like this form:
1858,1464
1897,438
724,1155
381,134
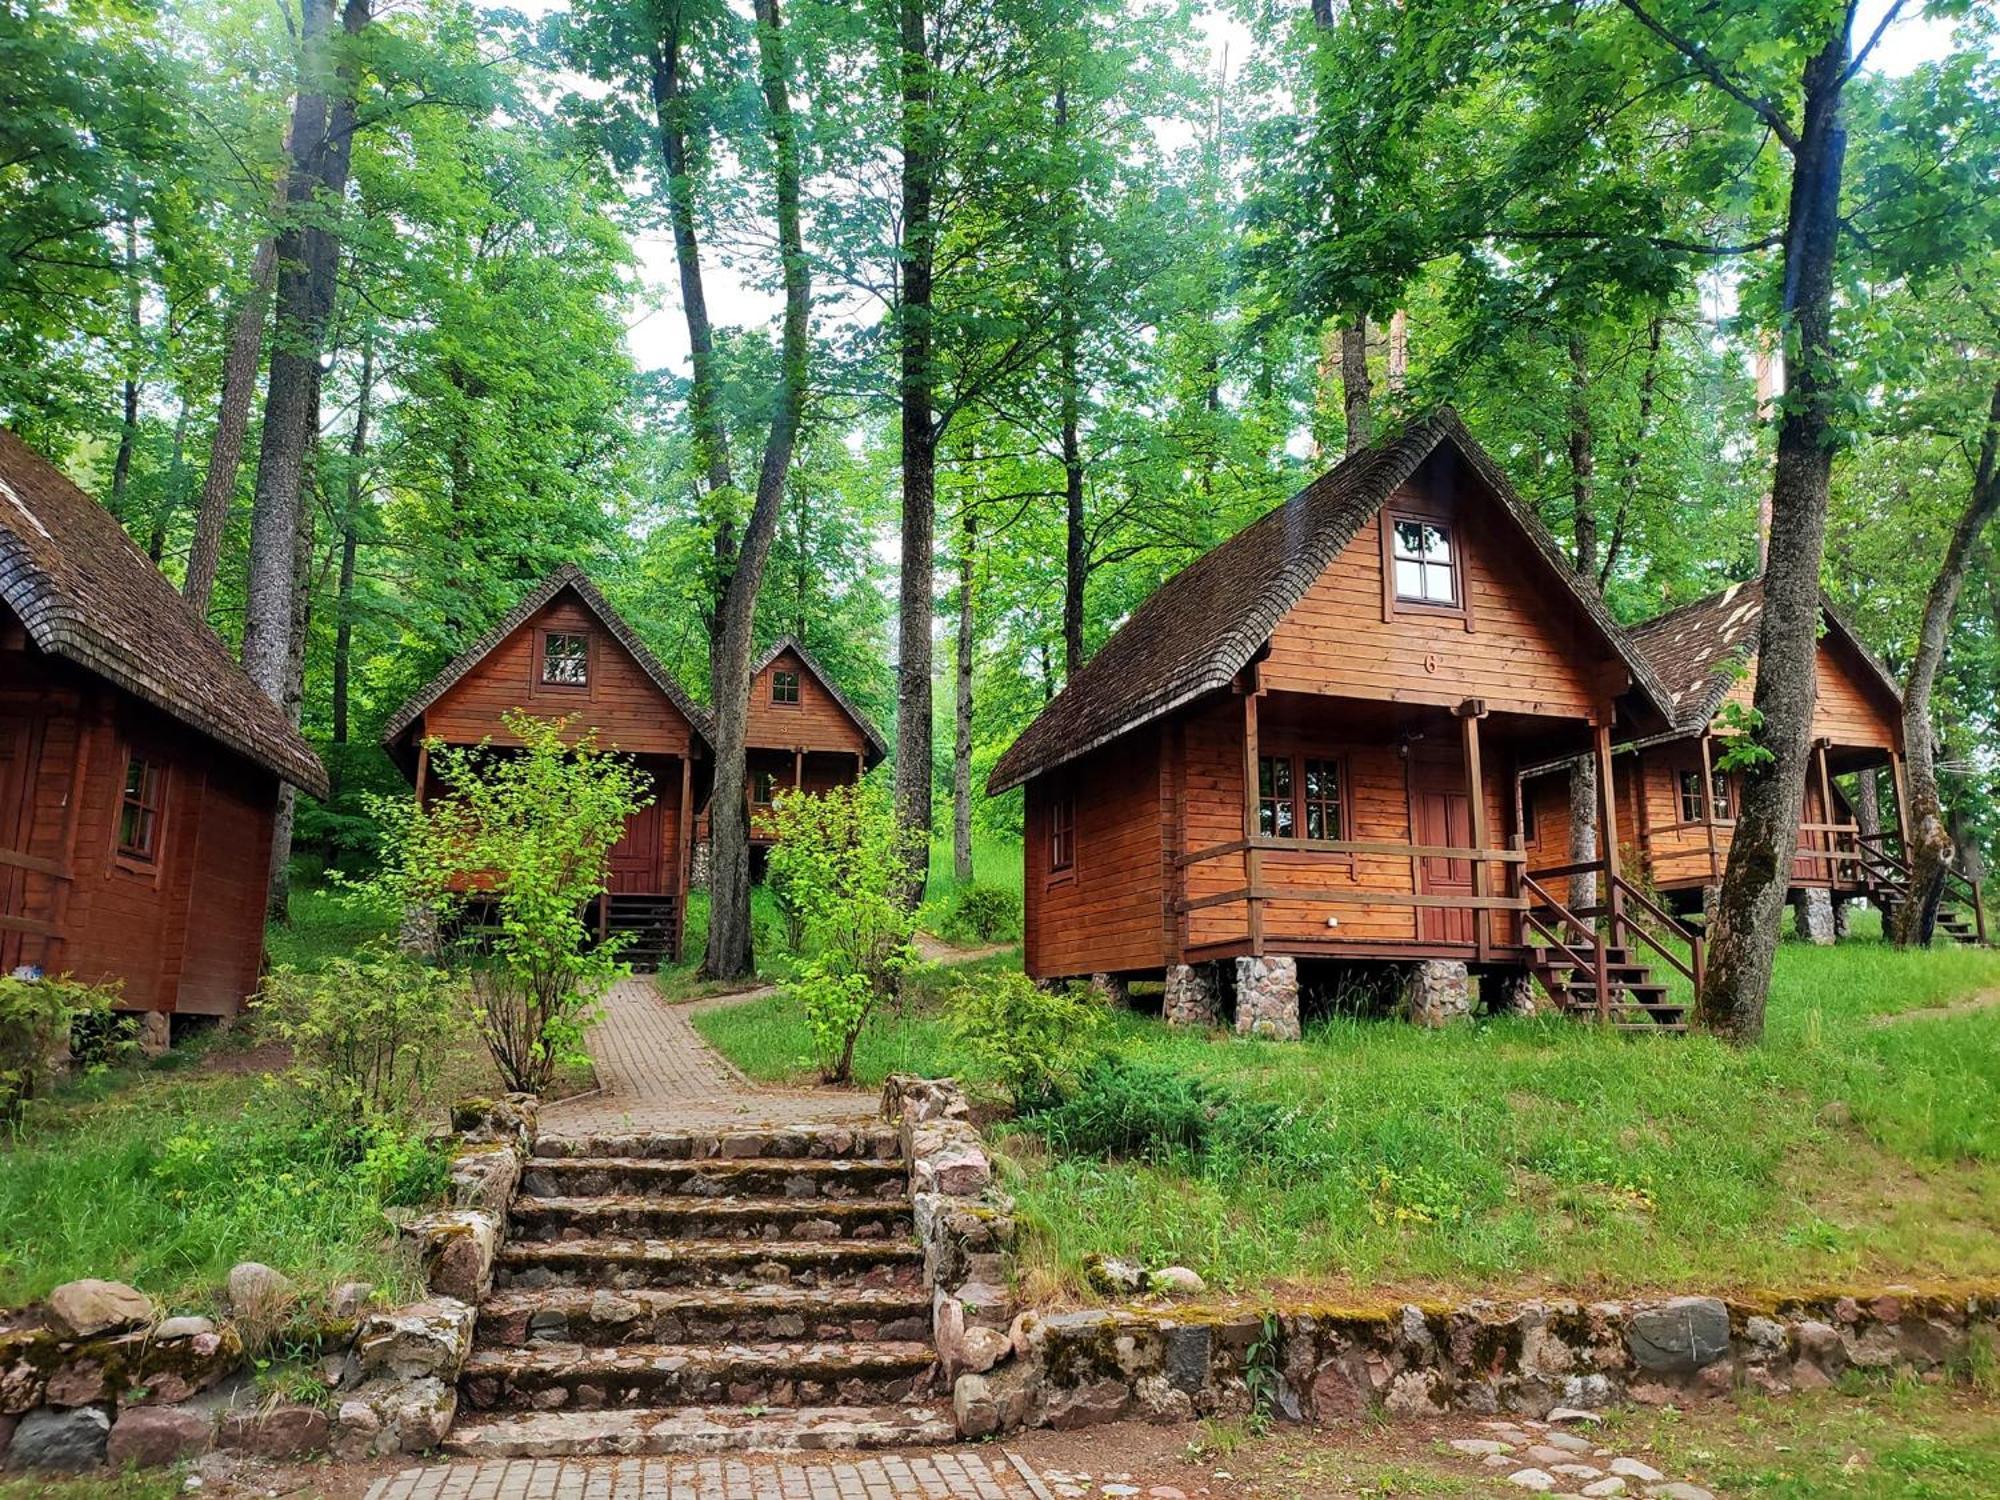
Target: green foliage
983,914
368,1034
1031,1038
1736,732
839,862
38,1018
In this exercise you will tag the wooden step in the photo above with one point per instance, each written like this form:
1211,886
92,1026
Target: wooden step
624,1263
549,1377
703,1315
648,1431
871,1142
651,1216
764,1177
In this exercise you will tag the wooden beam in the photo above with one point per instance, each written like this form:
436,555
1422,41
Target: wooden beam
1826,803
1607,839
1253,859
423,768
1708,808
1469,714
15,859
798,768
1902,803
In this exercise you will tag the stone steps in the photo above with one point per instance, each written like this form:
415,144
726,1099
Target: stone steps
779,1142
635,1216
762,1177
651,1431
625,1263
553,1376
662,1315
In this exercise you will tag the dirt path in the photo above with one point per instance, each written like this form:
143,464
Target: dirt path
1984,1000
935,950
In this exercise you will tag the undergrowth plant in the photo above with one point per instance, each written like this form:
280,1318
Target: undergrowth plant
38,1016
1032,1039
368,1033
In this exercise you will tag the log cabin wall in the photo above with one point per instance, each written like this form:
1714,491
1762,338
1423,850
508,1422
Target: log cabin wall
815,722
180,926
1101,910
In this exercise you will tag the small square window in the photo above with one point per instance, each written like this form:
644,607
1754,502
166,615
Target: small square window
1062,834
784,687
1724,803
1426,569
565,659
1277,818
1320,789
139,810
763,787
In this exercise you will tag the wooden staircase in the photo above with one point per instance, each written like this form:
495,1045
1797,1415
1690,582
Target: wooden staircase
1634,999
1961,915
1595,973
650,923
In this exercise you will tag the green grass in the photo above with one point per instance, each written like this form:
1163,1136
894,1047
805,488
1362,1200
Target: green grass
134,1484
1539,1153
996,861
322,926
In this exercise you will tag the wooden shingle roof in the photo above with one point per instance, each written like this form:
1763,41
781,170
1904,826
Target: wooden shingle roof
568,576
1202,626
85,592
791,643
1700,650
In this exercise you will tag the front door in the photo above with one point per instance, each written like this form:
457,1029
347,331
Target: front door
1443,819
17,770
635,858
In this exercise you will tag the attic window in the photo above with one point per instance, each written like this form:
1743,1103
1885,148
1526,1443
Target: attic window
565,659
784,687
1426,563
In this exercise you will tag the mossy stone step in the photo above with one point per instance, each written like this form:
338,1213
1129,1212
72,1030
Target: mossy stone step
648,1431
679,1218
703,1315
618,1262
762,1177
549,1377
783,1142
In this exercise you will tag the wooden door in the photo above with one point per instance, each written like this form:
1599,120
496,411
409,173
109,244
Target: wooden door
1444,819
635,858
18,760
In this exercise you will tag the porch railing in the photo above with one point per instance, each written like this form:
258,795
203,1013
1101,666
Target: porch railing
1884,869
1621,897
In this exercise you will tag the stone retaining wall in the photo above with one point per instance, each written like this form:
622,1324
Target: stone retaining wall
96,1375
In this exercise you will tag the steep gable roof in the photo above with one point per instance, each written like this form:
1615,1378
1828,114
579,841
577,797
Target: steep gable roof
1700,649
85,592
793,644
568,576
1203,625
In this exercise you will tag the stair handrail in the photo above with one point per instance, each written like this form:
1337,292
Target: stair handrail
1693,969
1595,964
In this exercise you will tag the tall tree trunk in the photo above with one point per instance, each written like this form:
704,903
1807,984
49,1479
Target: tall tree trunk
961,744
278,890
169,502
1399,351
1583,839
128,431
1354,390
1930,846
1076,542
672,112
232,422
308,264
1868,802
729,953
919,447
1752,900
350,535
1635,453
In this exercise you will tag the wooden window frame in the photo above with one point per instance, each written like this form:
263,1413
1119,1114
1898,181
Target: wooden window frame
1530,824
757,775
156,780
1297,759
779,676
1059,838
1718,806
543,634
1722,797
1456,530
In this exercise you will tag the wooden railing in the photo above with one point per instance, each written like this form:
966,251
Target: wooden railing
1885,869
16,859
1597,964
1620,896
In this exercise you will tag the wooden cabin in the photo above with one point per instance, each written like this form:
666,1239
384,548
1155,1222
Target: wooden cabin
1677,805
139,766
564,652
804,734
1300,754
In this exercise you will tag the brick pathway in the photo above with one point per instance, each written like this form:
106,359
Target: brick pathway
655,1073
987,1475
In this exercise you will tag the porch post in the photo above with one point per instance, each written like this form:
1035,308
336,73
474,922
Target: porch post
1708,809
1902,805
1826,812
1607,812
1253,857
798,768
1641,824
1470,712
423,769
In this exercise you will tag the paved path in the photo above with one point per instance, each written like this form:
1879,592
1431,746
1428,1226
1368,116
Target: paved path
987,1475
655,1073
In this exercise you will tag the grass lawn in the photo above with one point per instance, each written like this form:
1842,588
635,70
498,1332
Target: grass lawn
1532,1154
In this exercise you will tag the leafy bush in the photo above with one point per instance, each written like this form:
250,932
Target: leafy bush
1032,1039
840,863
1122,1107
528,831
37,1018
369,1033
983,913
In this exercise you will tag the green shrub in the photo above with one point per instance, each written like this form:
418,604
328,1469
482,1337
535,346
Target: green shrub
368,1034
1122,1107
38,1016
1030,1038
983,913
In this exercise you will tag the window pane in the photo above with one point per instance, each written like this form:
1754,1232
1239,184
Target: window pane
1437,544
1284,820
1438,584
1281,777
1409,579
1267,819
1409,539
1722,805
135,779
1316,820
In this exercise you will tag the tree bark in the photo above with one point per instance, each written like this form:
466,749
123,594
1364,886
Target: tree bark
1583,841
350,534
232,422
308,264
1930,849
1752,899
170,493
1868,802
128,431
1355,394
729,954
919,447
961,745
1076,542
278,890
